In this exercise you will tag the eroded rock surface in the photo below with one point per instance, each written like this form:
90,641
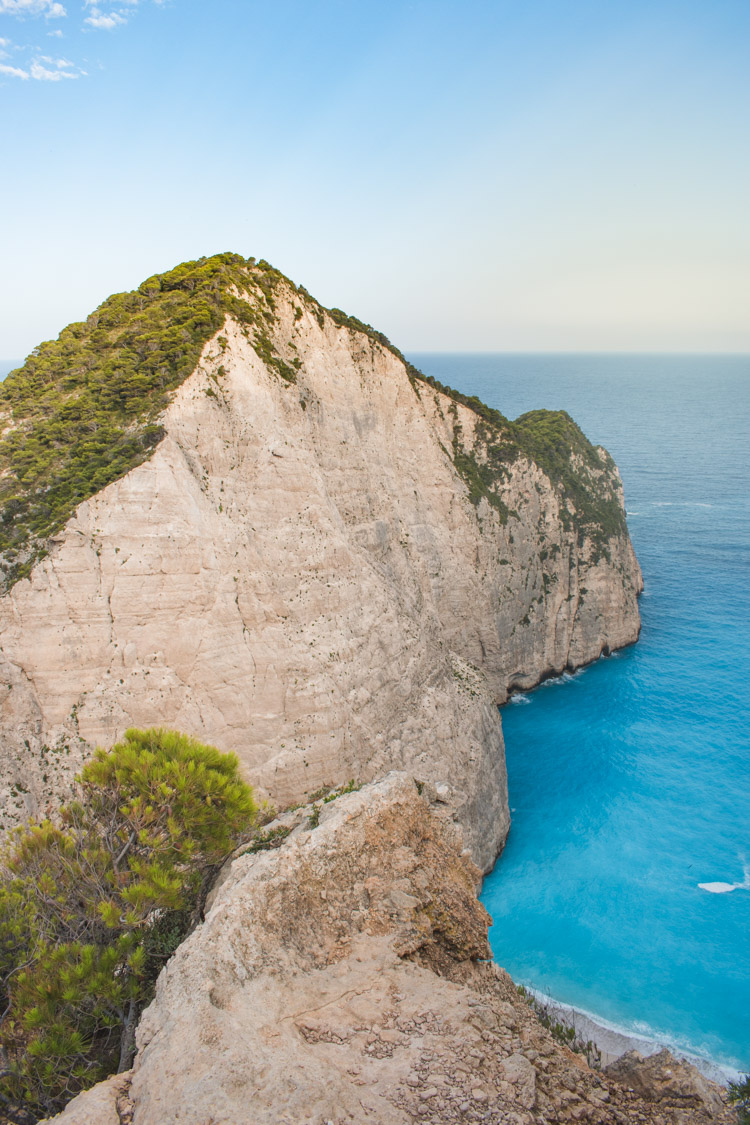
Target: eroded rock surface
345,978
299,574
667,1081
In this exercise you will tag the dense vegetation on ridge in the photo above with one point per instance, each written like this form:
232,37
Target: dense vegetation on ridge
84,409
550,438
92,907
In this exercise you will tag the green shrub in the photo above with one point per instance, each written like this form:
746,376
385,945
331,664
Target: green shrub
91,908
313,819
550,438
264,841
739,1096
83,410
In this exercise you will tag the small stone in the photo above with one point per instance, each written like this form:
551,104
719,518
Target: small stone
402,901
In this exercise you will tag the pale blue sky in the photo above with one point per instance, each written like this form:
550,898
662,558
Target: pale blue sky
536,175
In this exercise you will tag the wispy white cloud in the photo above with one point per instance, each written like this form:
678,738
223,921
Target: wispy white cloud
50,9
97,15
63,64
13,71
104,20
54,73
44,68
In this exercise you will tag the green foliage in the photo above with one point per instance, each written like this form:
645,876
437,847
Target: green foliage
739,1096
90,909
555,442
480,478
561,1032
313,819
350,787
343,320
319,794
263,841
550,438
83,410
582,477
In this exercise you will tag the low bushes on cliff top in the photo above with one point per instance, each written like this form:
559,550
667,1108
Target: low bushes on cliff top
91,908
82,410
550,438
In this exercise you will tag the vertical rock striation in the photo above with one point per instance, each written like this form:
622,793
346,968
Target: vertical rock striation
328,565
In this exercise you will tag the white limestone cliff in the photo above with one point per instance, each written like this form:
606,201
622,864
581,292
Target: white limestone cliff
299,574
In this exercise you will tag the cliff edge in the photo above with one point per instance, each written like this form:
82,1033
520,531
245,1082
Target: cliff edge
312,555
346,977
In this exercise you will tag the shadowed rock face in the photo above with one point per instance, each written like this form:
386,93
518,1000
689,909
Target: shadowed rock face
301,574
343,978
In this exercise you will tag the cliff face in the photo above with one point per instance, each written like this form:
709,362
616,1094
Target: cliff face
344,978
327,566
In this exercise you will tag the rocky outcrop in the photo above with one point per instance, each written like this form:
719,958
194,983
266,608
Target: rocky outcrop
668,1082
312,570
345,977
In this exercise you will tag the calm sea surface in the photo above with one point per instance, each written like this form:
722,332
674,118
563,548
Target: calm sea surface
630,781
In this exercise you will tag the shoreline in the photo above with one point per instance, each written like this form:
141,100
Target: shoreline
610,1040
613,1041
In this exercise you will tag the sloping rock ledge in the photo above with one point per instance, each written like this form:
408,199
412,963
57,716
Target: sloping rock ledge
347,977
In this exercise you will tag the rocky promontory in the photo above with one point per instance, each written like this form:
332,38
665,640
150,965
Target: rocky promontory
312,555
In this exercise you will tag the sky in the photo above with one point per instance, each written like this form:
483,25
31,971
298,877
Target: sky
514,175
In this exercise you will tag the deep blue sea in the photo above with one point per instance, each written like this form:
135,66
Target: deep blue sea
630,781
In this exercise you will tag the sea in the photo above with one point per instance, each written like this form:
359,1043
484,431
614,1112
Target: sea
624,888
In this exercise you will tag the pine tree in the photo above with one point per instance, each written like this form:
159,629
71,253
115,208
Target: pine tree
90,909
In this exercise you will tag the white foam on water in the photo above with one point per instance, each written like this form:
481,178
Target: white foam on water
725,888
614,1040
519,697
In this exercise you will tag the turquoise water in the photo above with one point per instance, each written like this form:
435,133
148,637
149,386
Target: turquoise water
630,781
